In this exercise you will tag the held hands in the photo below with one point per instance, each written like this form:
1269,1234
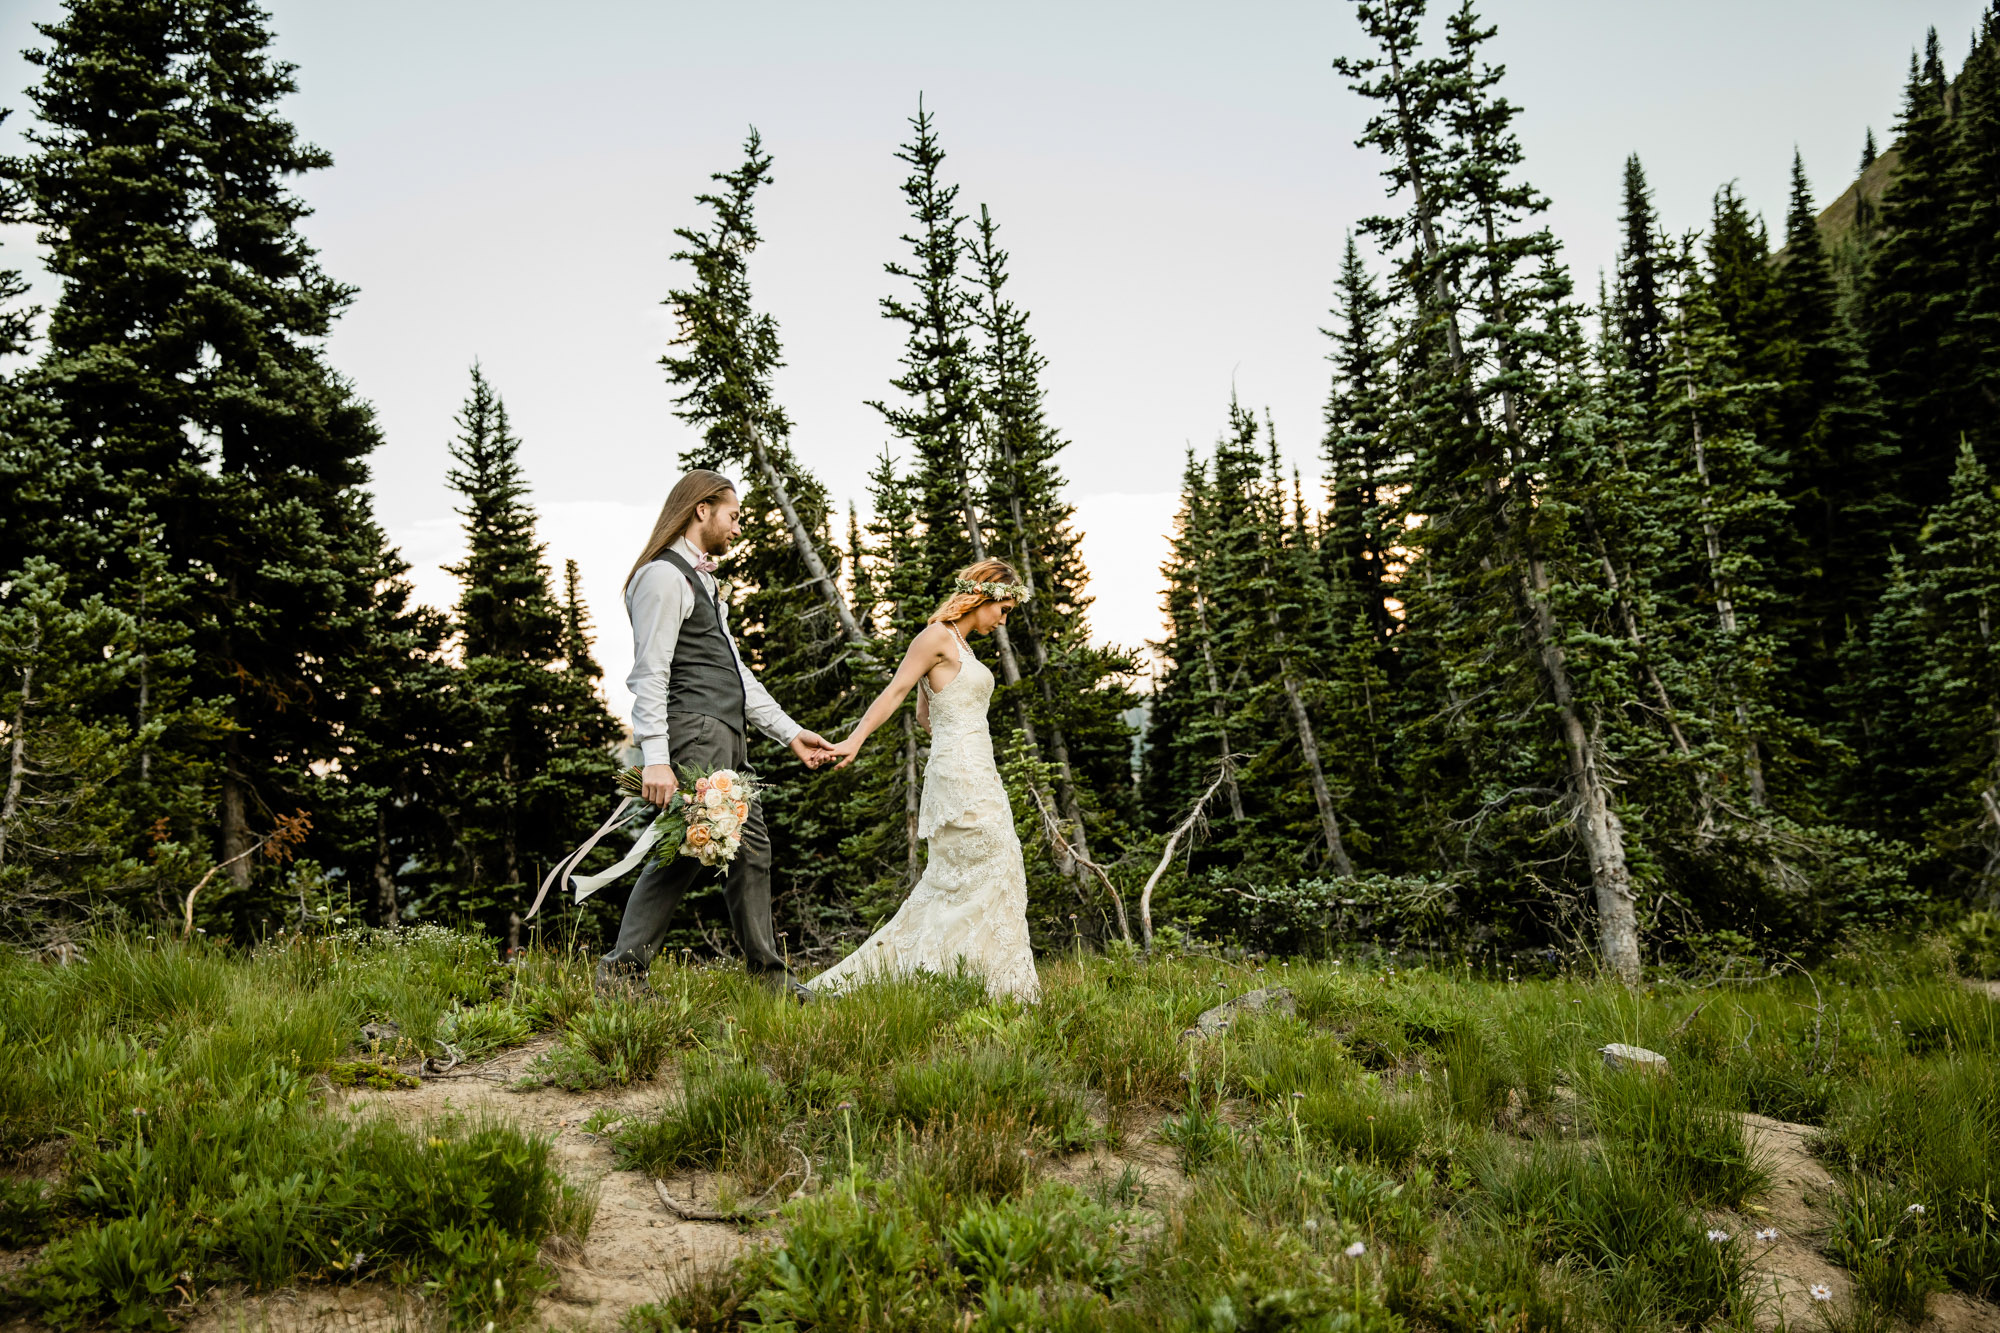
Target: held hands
812,749
843,753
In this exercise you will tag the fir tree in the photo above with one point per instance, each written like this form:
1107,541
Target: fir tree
939,384
1915,288
1640,319
1071,710
184,362
1363,466
535,762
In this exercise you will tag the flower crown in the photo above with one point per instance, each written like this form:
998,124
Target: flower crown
999,592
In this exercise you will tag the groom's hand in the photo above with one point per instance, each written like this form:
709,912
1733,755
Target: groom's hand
658,782
811,748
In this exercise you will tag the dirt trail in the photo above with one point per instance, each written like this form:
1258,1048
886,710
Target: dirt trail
1784,1272
635,1251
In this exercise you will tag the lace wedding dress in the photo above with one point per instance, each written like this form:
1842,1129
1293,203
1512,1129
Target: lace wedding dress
972,902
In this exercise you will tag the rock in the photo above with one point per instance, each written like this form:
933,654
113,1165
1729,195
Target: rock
1270,999
380,1034
1620,1056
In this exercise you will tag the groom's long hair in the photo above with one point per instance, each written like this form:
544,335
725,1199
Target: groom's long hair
690,493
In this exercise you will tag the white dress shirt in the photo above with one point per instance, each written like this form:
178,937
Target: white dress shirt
659,601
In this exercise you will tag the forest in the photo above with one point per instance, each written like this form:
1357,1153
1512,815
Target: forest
1644,627
1545,878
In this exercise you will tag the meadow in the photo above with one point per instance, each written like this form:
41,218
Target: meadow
1414,1146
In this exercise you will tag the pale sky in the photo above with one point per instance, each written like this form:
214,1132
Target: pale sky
1173,180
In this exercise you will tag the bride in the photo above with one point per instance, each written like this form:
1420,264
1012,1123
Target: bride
972,903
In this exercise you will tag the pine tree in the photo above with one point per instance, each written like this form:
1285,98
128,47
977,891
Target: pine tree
1364,468
535,761
1837,479
792,623
1928,674
1915,286
184,361
1493,399
1070,709
939,384
1868,151
1640,320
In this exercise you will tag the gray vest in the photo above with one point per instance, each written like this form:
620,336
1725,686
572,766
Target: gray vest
704,677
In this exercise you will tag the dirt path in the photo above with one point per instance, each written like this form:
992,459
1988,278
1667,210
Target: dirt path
635,1251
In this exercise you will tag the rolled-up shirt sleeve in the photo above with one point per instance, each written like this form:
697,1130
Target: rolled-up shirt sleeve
657,600
760,710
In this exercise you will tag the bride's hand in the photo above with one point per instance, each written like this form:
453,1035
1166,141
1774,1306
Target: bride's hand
843,753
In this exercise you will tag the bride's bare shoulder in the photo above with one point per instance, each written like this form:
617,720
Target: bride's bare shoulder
932,641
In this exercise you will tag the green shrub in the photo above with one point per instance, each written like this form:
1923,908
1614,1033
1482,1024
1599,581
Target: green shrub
618,1041
27,1215
1662,1126
851,1262
120,1272
991,1081
722,1109
483,1029
1975,945
1651,1256
1355,1117
1198,1134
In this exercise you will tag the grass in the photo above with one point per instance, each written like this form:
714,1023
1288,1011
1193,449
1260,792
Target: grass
1417,1149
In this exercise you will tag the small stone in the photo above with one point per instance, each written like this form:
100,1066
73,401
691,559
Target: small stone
1619,1056
1268,999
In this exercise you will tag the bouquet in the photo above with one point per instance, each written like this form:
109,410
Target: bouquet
704,817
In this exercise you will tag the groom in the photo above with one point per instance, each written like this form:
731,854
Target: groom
692,699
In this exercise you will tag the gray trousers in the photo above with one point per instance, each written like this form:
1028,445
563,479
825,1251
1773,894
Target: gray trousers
709,743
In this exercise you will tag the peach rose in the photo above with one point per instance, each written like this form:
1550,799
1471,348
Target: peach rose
720,781
698,836
743,809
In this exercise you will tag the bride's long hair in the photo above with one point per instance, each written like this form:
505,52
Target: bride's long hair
964,603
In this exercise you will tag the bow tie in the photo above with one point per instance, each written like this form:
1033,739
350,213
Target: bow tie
705,563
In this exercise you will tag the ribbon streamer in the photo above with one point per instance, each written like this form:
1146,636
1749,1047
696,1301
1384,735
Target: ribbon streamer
561,869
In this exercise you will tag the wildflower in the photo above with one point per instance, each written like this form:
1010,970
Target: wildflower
845,1106
340,921
201,930
1915,1210
1819,1291
1767,1233
1718,1236
1356,1250
1298,1096
1312,1224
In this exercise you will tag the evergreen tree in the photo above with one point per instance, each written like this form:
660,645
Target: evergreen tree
1640,320
1071,711
792,623
939,384
535,761
1868,151
1837,479
184,362
1492,396
1928,684
1914,307
1364,469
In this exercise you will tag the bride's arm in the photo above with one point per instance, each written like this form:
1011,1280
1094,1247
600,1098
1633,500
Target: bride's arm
926,651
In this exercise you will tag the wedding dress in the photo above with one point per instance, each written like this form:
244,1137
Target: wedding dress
972,902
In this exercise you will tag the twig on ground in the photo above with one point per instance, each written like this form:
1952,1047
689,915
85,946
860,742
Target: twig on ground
749,1212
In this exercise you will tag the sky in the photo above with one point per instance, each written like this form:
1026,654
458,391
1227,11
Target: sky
1174,182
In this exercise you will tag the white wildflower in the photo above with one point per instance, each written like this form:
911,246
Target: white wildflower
1767,1233
1356,1250
1718,1236
1915,1210
1820,1291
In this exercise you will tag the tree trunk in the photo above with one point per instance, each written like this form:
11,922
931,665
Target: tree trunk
1598,825
1725,608
1329,822
1215,706
235,814
808,550
17,760
385,879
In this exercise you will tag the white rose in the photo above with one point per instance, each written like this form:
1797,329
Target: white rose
726,824
712,799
